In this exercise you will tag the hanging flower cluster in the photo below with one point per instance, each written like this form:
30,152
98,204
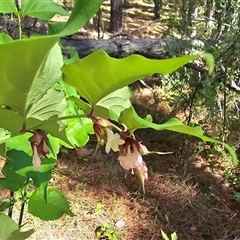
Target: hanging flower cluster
130,150
39,144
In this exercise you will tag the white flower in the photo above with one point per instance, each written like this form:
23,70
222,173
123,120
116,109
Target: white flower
113,141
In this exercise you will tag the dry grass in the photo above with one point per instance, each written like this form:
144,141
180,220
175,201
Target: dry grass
185,193
182,195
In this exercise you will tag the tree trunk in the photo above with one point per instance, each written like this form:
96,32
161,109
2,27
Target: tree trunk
116,16
157,8
209,15
126,3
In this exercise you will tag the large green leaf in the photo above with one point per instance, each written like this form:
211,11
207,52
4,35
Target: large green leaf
110,106
53,103
10,120
113,104
7,6
27,89
132,121
44,10
50,209
83,10
98,75
9,230
36,64
21,163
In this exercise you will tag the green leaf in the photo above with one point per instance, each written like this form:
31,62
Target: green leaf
53,103
9,229
132,121
12,180
164,235
2,149
73,55
69,91
44,10
28,82
21,235
81,104
77,132
98,75
51,209
83,10
4,38
113,104
108,107
12,120
4,206
3,138
174,236
7,6
56,27
78,128
208,57
27,89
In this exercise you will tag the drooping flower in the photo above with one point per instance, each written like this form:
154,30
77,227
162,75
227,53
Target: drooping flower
39,144
105,135
131,158
100,127
113,141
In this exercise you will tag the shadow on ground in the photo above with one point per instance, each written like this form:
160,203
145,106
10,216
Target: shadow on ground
182,193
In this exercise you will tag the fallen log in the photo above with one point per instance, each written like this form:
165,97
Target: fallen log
151,48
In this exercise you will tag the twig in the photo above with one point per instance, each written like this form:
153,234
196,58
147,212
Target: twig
12,202
24,199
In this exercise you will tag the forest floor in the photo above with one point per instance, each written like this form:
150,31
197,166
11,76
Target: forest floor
187,190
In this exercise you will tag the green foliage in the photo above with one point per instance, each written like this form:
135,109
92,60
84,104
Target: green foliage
83,10
237,196
29,83
44,10
135,122
9,229
8,6
51,208
107,231
46,102
102,75
173,236
4,38
4,205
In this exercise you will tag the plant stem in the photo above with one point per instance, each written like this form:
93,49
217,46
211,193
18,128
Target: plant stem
12,201
24,199
116,127
19,26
